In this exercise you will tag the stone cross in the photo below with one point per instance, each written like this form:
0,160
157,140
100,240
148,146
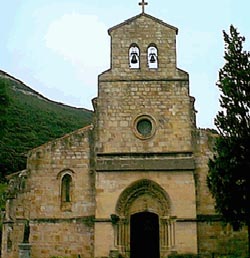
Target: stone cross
143,3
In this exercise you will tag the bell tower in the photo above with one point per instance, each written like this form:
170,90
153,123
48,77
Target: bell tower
143,81
144,119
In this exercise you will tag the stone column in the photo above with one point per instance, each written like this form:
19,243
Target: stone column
24,250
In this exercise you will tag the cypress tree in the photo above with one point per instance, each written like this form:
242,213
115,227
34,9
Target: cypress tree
229,170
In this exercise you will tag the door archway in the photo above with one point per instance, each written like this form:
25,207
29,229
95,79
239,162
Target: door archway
144,235
141,202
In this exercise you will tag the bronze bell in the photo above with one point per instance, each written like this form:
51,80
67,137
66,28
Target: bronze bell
152,58
134,59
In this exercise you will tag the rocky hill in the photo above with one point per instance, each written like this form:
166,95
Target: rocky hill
28,119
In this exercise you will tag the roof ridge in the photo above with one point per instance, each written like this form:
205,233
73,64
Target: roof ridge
140,15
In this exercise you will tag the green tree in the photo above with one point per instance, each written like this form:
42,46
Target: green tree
4,103
229,170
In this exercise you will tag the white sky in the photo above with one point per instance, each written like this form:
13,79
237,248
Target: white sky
58,47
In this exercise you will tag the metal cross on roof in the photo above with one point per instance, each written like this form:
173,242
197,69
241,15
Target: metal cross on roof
143,3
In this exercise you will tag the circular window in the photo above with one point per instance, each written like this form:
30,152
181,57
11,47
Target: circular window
144,127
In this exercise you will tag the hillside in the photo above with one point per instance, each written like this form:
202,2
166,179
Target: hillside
27,120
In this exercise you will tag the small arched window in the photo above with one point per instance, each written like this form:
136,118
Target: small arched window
134,57
152,57
66,188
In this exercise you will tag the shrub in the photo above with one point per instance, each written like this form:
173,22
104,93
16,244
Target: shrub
183,256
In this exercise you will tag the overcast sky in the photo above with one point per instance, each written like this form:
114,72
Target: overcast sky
58,47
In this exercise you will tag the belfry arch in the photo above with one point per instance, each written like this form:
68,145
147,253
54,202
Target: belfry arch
144,197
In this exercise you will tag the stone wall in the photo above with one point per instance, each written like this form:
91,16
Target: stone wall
67,238
37,198
220,239
180,189
121,103
203,150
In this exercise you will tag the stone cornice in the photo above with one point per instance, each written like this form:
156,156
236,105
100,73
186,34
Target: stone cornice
145,162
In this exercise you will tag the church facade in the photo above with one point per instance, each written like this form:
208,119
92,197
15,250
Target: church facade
132,184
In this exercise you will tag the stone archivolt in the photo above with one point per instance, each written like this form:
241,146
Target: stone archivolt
140,194
144,196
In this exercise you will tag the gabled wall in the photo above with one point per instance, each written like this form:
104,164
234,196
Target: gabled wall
56,228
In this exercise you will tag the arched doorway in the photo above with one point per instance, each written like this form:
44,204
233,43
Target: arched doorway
144,202
144,235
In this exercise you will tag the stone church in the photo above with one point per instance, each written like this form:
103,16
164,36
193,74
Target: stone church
133,183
